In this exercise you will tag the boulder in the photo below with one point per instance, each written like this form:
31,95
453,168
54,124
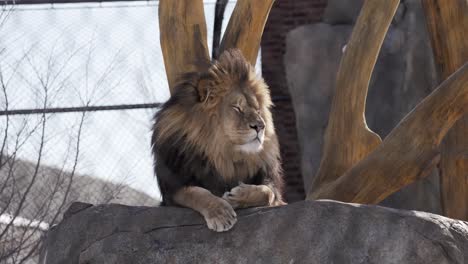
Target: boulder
404,74
303,232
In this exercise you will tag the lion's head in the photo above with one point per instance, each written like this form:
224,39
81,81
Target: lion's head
223,113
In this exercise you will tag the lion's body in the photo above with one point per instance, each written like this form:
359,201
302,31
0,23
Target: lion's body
199,140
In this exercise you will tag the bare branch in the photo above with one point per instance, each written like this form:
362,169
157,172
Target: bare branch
72,173
7,118
33,180
36,169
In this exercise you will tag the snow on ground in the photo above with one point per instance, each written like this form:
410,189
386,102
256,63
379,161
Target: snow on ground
5,219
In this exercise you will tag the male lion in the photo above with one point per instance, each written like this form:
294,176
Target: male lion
214,143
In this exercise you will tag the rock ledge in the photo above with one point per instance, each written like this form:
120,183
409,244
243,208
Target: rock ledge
303,232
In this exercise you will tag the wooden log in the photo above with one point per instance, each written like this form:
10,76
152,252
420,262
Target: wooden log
408,151
347,138
245,27
183,39
447,23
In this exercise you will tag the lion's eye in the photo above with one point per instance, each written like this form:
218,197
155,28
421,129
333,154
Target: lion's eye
237,108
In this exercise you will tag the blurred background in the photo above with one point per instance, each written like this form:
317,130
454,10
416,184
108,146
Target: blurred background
81,81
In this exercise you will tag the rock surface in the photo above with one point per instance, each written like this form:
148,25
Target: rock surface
403,76
303,232
342,11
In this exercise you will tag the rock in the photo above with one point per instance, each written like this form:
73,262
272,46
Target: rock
404,74
312,57
303,232
75,208
347,12
342,11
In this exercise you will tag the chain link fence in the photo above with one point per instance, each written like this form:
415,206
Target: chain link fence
79,85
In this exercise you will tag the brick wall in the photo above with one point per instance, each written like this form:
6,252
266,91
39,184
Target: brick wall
286,15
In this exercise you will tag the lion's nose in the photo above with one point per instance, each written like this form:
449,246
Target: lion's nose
257,126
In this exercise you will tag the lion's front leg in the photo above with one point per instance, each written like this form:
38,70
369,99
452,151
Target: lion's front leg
218,213
246,195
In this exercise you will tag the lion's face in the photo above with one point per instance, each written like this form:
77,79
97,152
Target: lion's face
223,111
242,121
236,101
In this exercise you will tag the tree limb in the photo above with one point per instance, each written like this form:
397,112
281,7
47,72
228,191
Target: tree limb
347,138
217,26
407,151
245,27
183,39
447,23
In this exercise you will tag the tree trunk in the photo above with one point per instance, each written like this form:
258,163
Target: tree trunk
245,27
347,137
183,34
182,29
447,23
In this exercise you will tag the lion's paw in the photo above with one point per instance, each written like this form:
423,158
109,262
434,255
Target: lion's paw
221,217
245,195
237,195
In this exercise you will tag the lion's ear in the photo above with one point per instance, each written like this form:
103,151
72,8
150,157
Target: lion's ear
203,89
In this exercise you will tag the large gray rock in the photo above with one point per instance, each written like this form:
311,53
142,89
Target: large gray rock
347,11
303,232
403,76
342,11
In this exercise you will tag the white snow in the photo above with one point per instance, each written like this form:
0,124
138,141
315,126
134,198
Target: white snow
23,222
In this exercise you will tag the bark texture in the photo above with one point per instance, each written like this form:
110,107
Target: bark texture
182,27
408,152
447,23
347,138
245,27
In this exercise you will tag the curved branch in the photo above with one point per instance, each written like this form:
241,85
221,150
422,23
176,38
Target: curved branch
183,39
245,27
408,150
347,138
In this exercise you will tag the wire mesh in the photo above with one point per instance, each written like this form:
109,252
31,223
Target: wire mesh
79,85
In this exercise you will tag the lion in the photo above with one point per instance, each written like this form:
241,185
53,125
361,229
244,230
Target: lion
214,144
